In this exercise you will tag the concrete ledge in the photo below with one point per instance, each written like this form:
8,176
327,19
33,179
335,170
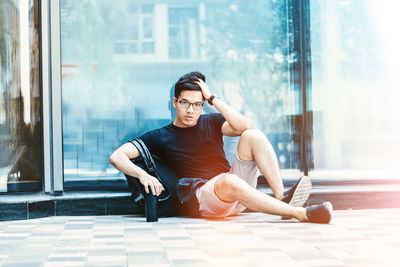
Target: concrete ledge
351,195
358,200
36,205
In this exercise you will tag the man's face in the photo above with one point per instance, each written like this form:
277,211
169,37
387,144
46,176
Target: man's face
188,108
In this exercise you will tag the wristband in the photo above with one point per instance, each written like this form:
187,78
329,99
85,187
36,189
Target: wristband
211,99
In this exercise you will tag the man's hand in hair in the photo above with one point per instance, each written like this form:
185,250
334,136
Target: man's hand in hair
204,89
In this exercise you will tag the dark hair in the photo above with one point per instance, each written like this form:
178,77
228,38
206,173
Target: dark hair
188,82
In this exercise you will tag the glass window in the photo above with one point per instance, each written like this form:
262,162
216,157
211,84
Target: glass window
134,28
147,9
147,28
108,99
355,89
131,32
183,33
148,47
20,108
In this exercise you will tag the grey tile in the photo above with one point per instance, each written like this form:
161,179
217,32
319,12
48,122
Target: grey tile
83,219
104,244
199,242
78,226
261,250
64,259
319,240
12,237
277,238
9,246
139,231
175,238
307,254
171,227
147,257
109,236
22,264
190,262
28,255
223,253
107,252
72,242
107,264
45,235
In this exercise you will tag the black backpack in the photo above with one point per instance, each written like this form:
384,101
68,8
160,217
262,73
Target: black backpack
167,203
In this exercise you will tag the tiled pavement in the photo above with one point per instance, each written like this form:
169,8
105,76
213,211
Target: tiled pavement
354,238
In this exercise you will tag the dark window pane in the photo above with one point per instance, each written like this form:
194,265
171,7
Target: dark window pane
20,104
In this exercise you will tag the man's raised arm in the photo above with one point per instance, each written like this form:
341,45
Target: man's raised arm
235,123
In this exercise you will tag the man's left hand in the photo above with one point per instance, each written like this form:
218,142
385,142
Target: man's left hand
204,89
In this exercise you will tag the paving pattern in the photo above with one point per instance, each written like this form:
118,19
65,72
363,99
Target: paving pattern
354,238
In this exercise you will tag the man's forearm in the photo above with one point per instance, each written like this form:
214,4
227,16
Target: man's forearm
121,160
238,121
124,165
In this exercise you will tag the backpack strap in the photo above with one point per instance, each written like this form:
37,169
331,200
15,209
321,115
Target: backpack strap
150,165
148,159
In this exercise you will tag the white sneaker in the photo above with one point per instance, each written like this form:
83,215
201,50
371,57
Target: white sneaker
298,194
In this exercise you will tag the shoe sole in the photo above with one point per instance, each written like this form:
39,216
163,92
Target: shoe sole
301,194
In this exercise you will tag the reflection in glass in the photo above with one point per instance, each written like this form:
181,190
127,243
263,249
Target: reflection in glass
135,30
115,86
183,32
355,63
20,121
147,28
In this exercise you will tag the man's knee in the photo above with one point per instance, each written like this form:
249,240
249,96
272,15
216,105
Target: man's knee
227,187
253,135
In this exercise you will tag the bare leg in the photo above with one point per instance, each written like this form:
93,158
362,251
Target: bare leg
254,145
230,188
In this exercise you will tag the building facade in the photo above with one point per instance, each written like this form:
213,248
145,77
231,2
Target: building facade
80,78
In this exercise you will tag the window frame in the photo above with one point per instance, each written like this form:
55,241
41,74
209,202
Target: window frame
298,12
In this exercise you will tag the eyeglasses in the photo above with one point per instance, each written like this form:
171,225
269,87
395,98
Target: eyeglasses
186,104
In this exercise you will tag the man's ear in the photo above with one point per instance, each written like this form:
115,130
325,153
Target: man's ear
174,102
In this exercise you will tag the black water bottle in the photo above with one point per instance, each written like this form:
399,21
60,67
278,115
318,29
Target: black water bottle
150,207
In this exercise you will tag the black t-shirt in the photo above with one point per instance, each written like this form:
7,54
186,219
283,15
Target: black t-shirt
194,152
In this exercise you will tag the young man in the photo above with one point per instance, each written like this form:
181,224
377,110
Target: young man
192,146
